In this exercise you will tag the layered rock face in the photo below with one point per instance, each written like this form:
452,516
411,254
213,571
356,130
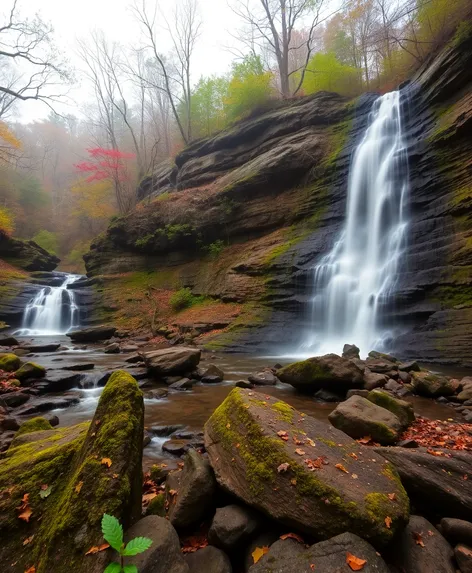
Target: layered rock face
270,193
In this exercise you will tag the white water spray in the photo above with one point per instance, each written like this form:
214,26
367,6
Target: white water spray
360,273
52,311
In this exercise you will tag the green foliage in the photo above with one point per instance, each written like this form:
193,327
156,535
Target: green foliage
113,534
214,249
183,298
6,221
326,72
48,241
463,33
207,106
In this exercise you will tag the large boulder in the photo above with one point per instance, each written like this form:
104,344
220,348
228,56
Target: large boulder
87,470
420,548
374,380
26,255
331,372
164,555
456,530
191,491
329,556
402,409
359,417
435,480
9,362
172,361
92,334
431,385
30,371
293,467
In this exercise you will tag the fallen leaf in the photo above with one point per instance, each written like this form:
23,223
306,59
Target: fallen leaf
418,539
78,487
114,476
392,496
31,570
172,492
353,455
44,486
355,563
283,467
106,462
258,553
354,476
45,491
282,434
147,497
364,440
292,536
26,514
312,566
194,543
96,549
28,540
342,468
388,522
228,426
300,452
310,442
293,481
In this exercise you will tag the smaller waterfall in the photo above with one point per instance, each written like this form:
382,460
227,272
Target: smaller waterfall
52,311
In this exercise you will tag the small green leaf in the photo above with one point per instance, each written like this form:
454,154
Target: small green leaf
45,492
130,569
113,568
137,545
112,531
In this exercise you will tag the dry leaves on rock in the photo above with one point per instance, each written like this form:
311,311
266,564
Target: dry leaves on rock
31,570
292,536
28,540
355,563
341,468
418,538
78,487
439,434
300,452
194,543
259,552
97,549
106,462
282,434
388,522
25,509
283,468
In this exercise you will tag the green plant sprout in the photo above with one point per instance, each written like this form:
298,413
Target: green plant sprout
113,534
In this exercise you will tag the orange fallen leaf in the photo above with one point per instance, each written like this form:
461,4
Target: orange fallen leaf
147,497
292,536
78,487
388,522
26,514
283,468
106,462
96,549
114,476
418,539
28,540
172,492
282,434
312,566
342,468
353,455
392,496
228,426
258,553
293,481
364,440
300,452
31,570
355,563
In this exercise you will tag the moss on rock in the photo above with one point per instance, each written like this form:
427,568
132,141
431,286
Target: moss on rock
34,425
29,371
157,505
9,362
402,409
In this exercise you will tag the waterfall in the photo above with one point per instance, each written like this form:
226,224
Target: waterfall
52,311
358,276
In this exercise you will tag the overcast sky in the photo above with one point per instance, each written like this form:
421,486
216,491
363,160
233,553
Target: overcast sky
74,19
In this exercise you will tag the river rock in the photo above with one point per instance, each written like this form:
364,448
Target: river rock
351,351
243,384
380,366
291,483
9,423
41,348
431,385
164,555
92,334
456,530
191,491
113,348
331,372
14,399
80,367
411,366
156,394
466,393
8,341
329,556
172,361
402,409
182,384
210,370
208,560
265,378
359,417
73,462
9,362
463,555
420,548
437,480
134,358
232,526
374,380
30,371
58,381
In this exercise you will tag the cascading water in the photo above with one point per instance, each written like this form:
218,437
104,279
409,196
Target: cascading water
358,276
52,311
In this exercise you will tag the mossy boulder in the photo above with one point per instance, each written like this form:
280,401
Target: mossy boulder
30,429
172,361
359,417
331,372
157,505
302,472
75,464
9,362
431,385
30,371
402,409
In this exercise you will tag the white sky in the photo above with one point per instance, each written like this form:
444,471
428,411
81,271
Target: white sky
74,19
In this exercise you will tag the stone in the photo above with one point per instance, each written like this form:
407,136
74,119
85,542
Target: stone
456,530
436,480
53,420
211,380
357,392
211,370
156,394
402,409
265,539
133,359
14,399
359,417
404,377
232,526
408,444
380,366
92,334
46,403
331,372
81,367
176,447
327,396
265,378
420,548
9,362
10,424
465,394
350,351
431,385
410,366
208,560
40,348
393,386
382,356
172,361
164,555
165,430
195,488
30,371
113,348
182,384
8,341
251,471
327,557
244,384
463,555
374,380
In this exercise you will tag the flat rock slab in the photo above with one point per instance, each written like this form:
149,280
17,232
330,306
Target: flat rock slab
172,361
46,404
42,347
293,467
436,479
58,381
93,334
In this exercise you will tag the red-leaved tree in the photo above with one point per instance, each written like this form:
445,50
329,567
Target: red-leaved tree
115,166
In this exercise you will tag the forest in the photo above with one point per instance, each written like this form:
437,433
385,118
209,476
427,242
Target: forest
65,175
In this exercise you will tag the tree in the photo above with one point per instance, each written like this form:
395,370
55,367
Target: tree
273,24
26,46
326,72
9,144
208,106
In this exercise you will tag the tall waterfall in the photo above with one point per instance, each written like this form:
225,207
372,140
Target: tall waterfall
52,311
358,276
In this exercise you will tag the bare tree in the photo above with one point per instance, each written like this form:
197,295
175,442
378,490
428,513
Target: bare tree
28,43
274,23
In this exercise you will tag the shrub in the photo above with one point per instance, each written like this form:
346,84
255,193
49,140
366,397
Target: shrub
6,221
183,298
214,249
47,241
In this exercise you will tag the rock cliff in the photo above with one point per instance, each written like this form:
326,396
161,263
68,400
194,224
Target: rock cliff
242,217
